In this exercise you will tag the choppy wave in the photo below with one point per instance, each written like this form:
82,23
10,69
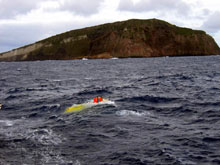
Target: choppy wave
147,98
164,110
44,136
130,113
6,122
94,92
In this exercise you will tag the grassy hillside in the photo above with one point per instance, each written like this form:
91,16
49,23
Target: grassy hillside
132,38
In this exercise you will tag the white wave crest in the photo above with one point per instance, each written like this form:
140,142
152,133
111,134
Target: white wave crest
130,113
8,123
44,136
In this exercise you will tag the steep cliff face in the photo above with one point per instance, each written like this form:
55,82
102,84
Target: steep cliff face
132,38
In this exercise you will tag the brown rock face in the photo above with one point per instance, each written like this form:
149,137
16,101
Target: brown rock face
153,39
132,38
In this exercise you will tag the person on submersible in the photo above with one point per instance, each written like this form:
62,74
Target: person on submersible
97,99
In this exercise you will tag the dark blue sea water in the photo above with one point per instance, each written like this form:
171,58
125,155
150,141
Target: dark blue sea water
167,112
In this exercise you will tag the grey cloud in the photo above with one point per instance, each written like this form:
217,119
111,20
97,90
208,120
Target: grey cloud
155,5
212,24
81,7
16,35
10,9
206,12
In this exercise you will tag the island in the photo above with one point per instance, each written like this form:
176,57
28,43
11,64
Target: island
125,39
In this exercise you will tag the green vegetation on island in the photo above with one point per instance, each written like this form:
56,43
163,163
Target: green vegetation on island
131,38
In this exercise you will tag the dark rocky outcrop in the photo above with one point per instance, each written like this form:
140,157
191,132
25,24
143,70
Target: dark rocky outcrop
132,38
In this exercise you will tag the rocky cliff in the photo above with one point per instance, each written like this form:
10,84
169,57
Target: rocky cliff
132,38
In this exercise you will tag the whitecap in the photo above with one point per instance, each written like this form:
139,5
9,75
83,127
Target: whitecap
53,105
44,136
130,113
56,80
77,162
7,123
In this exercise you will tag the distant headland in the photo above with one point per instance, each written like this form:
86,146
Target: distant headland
131,38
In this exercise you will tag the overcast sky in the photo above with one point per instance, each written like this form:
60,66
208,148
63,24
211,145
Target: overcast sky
24,22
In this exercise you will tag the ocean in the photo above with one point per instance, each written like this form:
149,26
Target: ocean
166,111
